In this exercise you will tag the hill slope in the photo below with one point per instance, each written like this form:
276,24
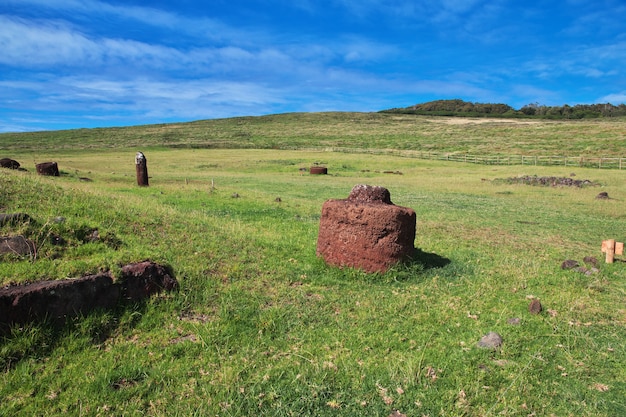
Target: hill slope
595,137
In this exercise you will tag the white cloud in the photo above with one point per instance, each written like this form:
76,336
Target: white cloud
45,43
28,43
615,98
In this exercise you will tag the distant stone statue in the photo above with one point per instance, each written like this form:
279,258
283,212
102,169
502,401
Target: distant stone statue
141,166
366,230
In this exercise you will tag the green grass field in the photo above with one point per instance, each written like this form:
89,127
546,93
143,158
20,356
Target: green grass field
261,326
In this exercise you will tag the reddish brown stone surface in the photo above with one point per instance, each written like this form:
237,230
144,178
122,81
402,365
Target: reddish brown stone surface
21,304
9,163
140,280
58,299
48,168
366,230
318,171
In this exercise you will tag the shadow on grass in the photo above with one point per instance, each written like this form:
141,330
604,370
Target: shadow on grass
427,260
39,338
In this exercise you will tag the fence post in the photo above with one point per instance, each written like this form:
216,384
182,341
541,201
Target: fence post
141,166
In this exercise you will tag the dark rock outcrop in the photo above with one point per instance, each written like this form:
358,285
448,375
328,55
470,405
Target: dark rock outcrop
17,245
53,300
57,299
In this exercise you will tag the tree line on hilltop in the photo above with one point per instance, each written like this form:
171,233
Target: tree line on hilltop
459,107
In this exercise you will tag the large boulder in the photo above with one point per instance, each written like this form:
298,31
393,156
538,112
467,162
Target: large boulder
58,299
48,168
9,163
366,230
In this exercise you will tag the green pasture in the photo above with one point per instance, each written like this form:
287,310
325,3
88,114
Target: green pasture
605,137
261,326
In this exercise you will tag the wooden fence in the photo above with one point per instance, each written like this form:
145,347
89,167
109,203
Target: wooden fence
566,161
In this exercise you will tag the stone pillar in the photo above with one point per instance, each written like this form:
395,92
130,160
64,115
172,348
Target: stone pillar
141,166
366,230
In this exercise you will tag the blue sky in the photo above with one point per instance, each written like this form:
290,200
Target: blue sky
96,63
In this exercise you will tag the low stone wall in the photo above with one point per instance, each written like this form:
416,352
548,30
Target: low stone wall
58,299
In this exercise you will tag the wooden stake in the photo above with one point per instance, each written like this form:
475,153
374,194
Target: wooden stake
608,247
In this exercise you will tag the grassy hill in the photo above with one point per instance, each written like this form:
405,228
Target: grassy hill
261,326
382,131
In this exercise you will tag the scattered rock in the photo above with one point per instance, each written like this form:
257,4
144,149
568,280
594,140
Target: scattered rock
603,196
569,264
514,321
234,195
9,163
17,245
581,269
491,340
535,307
278,200
590,260
366,230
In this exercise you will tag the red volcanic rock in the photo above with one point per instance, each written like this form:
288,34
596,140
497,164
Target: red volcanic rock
366,230
48,168
9,163
140,280
21,304
59,299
